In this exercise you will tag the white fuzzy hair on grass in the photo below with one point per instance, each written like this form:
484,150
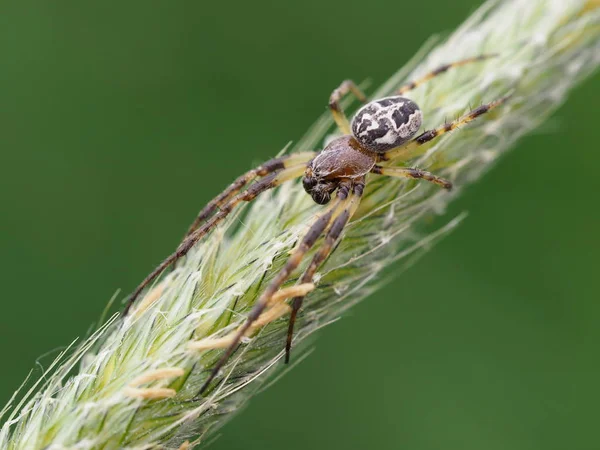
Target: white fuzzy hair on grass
134,382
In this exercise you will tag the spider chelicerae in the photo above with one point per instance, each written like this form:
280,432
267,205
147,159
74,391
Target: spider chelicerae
382,130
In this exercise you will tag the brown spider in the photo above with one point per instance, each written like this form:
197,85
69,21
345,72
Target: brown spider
382,130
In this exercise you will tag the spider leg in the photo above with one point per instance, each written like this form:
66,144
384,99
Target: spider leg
429,135
332,237
263,170
308,241
336,109
276,308
407,172
440,70
266,183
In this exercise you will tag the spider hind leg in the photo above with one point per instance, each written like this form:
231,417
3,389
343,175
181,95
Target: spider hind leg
408,172
430,135
440,70
337,112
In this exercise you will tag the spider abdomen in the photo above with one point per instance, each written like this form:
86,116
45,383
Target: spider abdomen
386,123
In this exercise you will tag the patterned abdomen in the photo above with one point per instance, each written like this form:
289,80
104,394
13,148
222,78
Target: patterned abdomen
386,123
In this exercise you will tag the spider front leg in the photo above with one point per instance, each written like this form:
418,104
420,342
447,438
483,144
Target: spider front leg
266,183
332,237
440,70
336,109
274,165
427,136
275,309
308,241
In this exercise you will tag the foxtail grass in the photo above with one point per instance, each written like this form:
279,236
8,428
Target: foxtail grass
134,382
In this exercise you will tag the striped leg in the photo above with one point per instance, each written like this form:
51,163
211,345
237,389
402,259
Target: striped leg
317,229
406,172
432,134
336,109
266,183
263,170
276,308
440,70
332,236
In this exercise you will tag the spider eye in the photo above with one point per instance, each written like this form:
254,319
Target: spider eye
318,189
386,123
309,183
321,197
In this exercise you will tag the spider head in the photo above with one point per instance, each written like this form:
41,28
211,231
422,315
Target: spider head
319,189
386,123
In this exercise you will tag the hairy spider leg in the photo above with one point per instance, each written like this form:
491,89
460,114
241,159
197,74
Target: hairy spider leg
266,183
440,70
308,241
276,308
408,172
332,237
337,112
263,170
429,135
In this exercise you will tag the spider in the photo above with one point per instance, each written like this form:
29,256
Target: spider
382,130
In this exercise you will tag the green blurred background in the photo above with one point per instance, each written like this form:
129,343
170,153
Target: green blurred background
121,119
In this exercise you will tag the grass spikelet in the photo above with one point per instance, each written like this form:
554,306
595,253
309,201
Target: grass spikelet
134,383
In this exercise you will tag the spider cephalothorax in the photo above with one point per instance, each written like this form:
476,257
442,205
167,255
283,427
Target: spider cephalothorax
382,130
342,159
